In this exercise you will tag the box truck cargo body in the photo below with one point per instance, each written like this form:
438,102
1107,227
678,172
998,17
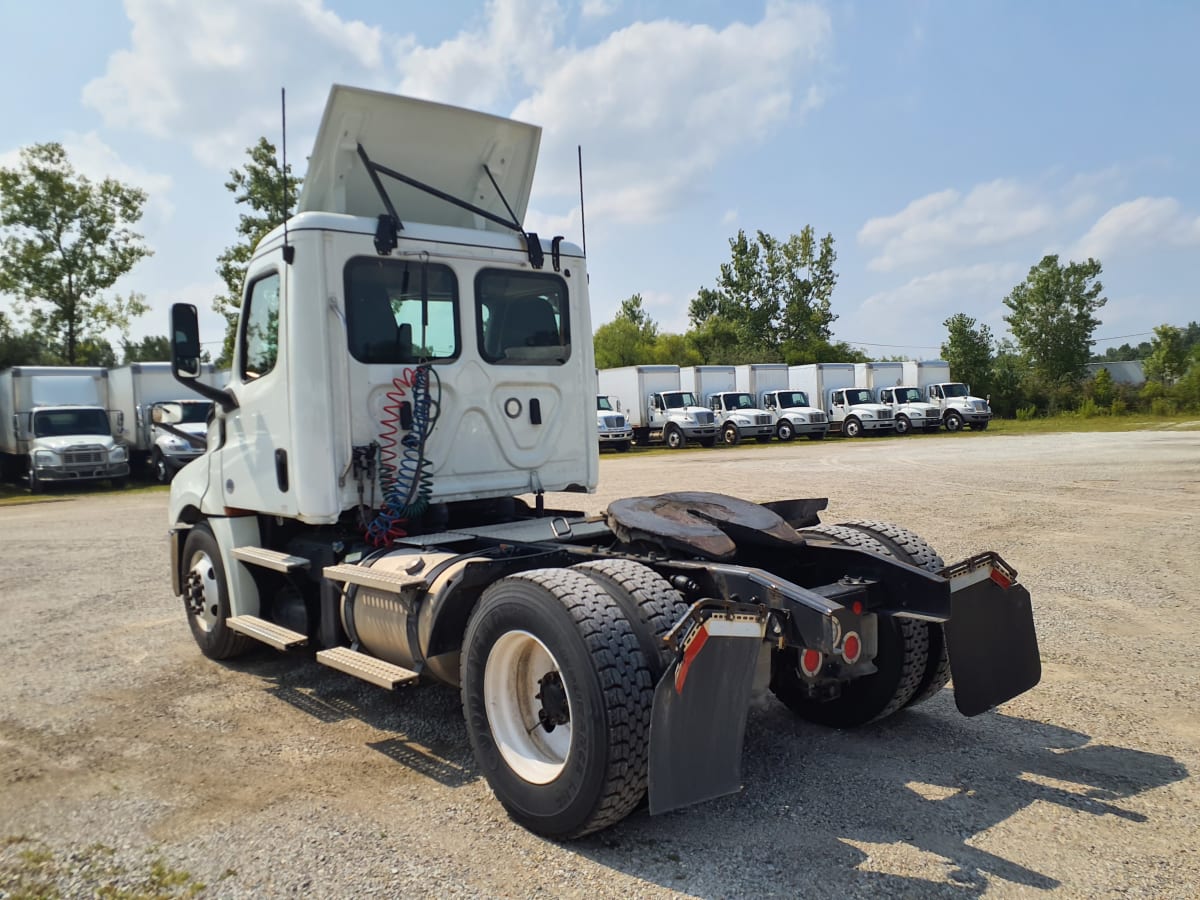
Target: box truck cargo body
852,410
55,426
792,412
659,410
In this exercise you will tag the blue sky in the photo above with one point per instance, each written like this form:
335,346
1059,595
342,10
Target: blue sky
947,146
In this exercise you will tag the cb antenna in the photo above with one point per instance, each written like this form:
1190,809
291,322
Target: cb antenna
582,220
289,252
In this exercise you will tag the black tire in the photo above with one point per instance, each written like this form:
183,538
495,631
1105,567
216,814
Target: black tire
903,425
206,596
648,601
852,428
35,483
730,435
762,438
784,430
817,436
591,654
162,472
905,544
953,421
621,446
901,661
708,442
673,437
979,426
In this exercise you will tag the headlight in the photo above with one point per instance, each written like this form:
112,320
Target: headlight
117,454
45,457
740,420
868,415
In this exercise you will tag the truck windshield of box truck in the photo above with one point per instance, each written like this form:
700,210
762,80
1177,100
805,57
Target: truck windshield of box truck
63,422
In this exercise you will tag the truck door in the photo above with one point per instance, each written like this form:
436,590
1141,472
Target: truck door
655,411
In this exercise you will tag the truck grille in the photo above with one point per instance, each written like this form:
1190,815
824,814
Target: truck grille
886,414
762,420
614,421
817,418
704,418
83,456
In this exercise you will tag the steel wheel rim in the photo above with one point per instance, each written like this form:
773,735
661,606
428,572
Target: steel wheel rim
205,576
515,665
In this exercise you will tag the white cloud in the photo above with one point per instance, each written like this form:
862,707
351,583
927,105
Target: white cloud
657,104
991,214
597,9
209,73
1137,224
730,216
96,160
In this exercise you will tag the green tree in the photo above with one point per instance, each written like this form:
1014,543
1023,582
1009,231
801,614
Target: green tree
775,294
620,343
1101,388
1052,317
156,348
270,196
20,348
1168,358
675,349
968,349
67,240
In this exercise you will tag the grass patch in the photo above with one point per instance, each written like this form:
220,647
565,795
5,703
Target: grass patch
37,872
1067,422
17,494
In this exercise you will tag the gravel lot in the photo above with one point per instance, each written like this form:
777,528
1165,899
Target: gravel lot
128,759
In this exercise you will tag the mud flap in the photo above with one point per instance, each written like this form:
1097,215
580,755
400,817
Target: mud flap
992,644
699,717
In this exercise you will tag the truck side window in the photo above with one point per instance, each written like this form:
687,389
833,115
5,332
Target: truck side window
401,311
522,318
260,327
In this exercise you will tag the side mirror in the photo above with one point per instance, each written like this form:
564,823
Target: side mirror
166,413
185,356
120,420
617,402
23,434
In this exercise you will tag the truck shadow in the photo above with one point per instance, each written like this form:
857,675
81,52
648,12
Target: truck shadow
820,809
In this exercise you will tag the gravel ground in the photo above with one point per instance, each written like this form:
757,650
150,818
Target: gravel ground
128,760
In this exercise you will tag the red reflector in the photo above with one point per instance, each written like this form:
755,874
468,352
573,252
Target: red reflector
810,662
1001,579
857,607
851,648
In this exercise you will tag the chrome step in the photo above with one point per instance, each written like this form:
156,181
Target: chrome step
388,582
368,668
268,632
270,559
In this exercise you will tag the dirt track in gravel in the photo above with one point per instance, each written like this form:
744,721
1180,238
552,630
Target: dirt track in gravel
275,776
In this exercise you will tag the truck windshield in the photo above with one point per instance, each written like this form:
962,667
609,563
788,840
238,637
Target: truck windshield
678,399
789,399
858,396
602,403
739,401
68,422
954,390
908,395
195,413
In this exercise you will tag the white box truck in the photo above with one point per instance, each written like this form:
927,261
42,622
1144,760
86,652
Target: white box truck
657,408
736,411
135,392
958,407
791,412
54,426
886,380
611,424
852,410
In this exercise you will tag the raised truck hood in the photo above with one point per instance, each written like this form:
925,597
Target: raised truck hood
445,147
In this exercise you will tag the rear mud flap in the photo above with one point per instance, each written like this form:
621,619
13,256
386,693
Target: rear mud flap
699,717
992,645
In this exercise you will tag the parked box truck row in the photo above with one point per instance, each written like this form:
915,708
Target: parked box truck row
137,392
736,411
791,411
657,408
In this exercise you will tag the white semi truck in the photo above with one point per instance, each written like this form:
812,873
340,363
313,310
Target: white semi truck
136,391
958,407
886,380
791,412
736,412
55,427
410,364
851,409
657,407
611,425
